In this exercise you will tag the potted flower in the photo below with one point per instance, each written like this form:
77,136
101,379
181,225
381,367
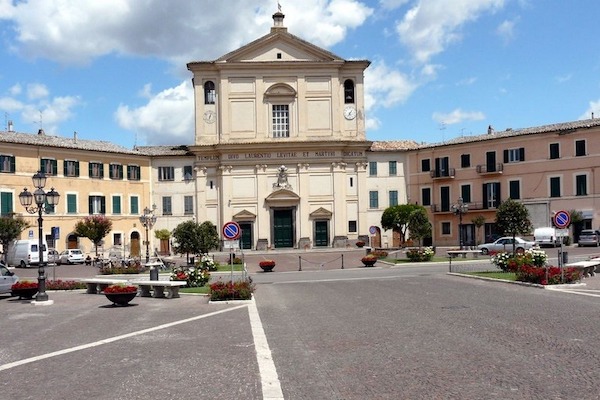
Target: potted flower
120,294
267,265
360,244
24,289
369,260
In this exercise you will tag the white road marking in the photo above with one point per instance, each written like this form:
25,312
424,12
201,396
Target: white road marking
112,339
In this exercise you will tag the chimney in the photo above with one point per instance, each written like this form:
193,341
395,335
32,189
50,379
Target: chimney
490,130
74,136
41,132
10,126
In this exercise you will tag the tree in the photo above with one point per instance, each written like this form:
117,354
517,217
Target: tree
187,239
512,218
397,218
419,225
478,221
95,228
163,235
10,229
209,237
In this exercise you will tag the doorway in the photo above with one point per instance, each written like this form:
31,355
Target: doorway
246,238
321,233
283,228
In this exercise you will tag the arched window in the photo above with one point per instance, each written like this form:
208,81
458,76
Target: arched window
348,91
209,92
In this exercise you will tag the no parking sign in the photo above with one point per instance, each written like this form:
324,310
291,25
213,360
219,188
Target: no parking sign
232,230
562,219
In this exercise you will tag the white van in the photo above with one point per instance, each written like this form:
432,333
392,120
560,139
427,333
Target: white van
546,236
25,253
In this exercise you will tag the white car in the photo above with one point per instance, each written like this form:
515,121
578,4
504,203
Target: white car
7,278
71,256
506,244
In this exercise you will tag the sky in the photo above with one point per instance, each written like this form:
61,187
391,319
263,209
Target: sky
440,69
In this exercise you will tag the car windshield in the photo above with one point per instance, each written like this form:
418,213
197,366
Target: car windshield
76,252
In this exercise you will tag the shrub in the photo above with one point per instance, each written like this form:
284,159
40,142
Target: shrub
379,253
64,285
420,254
238,290
207,262
532,274
24,285
134,268
194,277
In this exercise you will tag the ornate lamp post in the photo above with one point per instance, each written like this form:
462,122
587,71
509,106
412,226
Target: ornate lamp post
459,209
148,219
44,202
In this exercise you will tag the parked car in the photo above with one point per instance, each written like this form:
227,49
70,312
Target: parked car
53,256
7,278
71,256
589,237
506,244
547,236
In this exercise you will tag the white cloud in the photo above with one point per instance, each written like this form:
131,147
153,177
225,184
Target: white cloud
386,87
506,30
392,4
457,116
167,118
15,90
9,104
431,25
37,91
49,114
594,107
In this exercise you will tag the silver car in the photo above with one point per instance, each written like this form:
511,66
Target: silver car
7,278
71,256
506,244
589,237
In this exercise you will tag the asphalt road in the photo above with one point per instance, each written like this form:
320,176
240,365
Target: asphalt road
410,332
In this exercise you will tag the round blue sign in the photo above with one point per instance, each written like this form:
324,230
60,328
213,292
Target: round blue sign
562,219
232,230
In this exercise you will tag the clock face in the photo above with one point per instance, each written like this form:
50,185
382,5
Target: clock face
210,117
349,112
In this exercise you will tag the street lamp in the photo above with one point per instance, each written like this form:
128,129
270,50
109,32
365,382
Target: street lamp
148,220
459,209
44,202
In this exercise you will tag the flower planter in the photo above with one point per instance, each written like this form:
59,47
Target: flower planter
267,268
267,265
120,299
24,293
369,263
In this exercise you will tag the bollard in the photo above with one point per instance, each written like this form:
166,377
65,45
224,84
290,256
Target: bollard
153,273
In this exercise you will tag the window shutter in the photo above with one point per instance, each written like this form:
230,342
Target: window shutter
12,164
485,196
522,154
505,156
65,167
102,205
91,205
76,168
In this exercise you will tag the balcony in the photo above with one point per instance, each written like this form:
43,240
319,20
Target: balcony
437,208
490,170
442,173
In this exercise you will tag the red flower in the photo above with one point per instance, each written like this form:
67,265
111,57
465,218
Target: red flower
120,289
266,263
24,285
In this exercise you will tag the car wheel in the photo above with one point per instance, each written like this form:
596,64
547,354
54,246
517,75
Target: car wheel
485,251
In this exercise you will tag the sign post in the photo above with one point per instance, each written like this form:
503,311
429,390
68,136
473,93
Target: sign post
231,231
562,220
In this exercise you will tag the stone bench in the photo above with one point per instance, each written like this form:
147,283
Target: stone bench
586,268
96,285
463,253
158,288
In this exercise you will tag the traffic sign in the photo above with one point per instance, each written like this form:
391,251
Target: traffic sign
562,219
373,230
232,230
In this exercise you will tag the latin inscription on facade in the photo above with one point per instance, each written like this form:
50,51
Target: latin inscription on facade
290,154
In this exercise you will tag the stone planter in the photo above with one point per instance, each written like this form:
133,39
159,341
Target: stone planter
25,293
120,299
267,268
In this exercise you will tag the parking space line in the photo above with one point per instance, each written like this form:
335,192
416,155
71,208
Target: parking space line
113,339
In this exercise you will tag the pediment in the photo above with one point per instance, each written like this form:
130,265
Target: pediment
282,197
244,215
281,89
321,213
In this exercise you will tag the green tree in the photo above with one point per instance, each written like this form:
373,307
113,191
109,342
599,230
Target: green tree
209,237
95,228
186,238
478,221
419,225
512,218
397,218
10,229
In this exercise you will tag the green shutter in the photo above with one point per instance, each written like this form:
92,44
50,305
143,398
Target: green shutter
103,205
71,204
134,205
6,204
116,200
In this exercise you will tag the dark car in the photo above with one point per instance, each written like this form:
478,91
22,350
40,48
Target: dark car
589,237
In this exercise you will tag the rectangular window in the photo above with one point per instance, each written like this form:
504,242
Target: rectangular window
188,173
372,168
514,155
71,203
554,151
49,208
426,165
116,204
445,228
281,121
7,163
6,204
134,205
117,239
581,185
351,182
48,166
491,195
71,168
393,167
97,205
555,186
116,171
133,172
166,173
580,148
373,199
188,205
442,167
444,198
167,206
393,198
426,196
465,193
96,170
465,160
514,190
352,226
